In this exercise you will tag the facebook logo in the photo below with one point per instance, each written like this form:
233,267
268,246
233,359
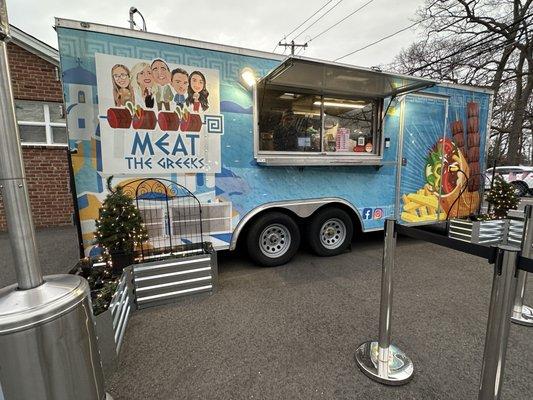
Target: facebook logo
367,213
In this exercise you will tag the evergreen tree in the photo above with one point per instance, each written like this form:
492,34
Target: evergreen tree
502,197
119,228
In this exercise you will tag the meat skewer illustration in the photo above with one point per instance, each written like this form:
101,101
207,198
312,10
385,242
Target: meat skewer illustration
458,135
119,118
472,141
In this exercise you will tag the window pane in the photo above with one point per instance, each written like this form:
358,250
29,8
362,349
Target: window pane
32,111
33,134
288,121
56,112
59,134
348,126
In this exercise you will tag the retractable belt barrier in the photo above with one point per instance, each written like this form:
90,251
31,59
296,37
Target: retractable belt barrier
382,361
479,250
475,249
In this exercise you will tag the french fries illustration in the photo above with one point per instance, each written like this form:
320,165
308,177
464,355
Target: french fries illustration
421,206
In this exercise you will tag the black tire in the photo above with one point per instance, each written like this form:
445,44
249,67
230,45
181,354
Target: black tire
334,215
260,227
521,188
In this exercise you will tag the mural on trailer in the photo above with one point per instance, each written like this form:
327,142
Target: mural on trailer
138,108
441,174
143,108
160,117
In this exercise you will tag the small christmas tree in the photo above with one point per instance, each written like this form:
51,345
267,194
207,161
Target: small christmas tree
502,197
119,228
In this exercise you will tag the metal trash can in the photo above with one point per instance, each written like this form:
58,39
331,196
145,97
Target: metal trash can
47,342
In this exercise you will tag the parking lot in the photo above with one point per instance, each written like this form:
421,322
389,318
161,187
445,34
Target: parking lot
290,332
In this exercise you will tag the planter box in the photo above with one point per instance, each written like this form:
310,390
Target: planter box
163,281
482,232
515,232
111,324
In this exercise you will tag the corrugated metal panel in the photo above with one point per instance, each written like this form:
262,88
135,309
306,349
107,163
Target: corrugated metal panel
159,282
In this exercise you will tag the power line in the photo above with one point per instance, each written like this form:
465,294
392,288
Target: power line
318,19
342,20
387,37
400,31
299,26
380,40
315,13
465,56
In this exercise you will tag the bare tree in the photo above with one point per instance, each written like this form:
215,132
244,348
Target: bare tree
487,43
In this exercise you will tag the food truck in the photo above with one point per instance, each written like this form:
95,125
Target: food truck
278,150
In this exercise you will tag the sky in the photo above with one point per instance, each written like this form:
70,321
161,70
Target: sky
254,24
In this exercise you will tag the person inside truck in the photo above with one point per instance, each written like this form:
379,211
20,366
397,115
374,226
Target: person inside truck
162,89
286,133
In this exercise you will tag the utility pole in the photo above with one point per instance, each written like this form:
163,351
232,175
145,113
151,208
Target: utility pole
292,45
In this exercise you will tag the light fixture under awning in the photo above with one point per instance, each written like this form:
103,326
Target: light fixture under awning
326,78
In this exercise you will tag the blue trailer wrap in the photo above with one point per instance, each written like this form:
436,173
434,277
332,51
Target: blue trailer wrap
218,159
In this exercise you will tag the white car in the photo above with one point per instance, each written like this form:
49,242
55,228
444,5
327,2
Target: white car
521,177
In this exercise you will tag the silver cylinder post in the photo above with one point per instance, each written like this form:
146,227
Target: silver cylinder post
47,336
381,360
498,324
522,314
13,187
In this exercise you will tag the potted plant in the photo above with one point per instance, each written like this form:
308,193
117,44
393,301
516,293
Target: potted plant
493,226
119,229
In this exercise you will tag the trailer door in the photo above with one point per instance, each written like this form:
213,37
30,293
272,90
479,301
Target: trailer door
423,122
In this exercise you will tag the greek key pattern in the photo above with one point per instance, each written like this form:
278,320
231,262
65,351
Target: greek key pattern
214,124
81,46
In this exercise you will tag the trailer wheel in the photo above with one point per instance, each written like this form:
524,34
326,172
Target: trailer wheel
273,239
330,232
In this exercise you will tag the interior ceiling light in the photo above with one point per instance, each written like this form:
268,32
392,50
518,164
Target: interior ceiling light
288,96
340,105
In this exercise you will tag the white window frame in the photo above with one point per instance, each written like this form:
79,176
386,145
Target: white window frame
48,125
320,158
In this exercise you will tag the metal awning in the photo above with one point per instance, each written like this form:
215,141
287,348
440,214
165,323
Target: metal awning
324,78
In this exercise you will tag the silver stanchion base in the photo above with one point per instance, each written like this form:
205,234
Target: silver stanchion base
526,318
397,370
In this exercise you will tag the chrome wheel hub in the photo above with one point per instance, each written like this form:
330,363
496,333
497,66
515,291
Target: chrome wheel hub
275,240
332,233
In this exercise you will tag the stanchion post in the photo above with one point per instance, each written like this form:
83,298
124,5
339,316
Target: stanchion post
498,324
523,314
381,360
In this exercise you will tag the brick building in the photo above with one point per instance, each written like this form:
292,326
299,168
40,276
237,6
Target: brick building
34,68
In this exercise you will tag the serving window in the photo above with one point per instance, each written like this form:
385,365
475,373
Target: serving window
310,112
295,122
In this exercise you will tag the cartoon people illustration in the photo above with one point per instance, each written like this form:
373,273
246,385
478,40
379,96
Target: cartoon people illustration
122,90
162,91
197,92
143,82
180,83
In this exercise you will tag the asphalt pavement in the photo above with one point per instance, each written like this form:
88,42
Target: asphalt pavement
290,332
57,248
